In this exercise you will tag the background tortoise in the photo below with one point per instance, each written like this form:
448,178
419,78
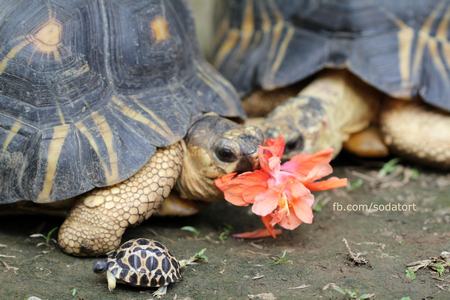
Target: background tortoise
141,262
101,94
400,48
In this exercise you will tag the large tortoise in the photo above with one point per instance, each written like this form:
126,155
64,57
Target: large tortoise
399,48
100,94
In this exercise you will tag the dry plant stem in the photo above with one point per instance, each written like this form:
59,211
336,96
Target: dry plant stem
304,286
161,236
13,269
355,256
388,180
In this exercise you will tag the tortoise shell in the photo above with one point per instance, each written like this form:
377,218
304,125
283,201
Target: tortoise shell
90,88
400,47
144,262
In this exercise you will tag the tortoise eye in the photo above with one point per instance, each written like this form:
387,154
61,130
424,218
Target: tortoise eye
226,150
294,145
226,155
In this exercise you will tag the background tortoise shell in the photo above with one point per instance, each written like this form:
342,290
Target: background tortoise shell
400,47
144,262
90,88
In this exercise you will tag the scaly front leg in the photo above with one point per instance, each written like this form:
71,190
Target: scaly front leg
97,221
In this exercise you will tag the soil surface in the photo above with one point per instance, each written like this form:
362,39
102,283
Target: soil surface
382,243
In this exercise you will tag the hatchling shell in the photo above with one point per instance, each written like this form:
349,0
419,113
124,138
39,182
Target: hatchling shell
144,262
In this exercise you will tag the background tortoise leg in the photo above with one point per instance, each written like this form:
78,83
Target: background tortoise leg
367,143
174,205
417,131
97,221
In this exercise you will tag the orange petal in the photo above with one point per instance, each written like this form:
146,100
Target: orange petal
265,203
233,194
318,172
222,182
302,209
302,164
275,145
257,177
251,192
270,154
266,221
258,233
297,189
329,184
290,222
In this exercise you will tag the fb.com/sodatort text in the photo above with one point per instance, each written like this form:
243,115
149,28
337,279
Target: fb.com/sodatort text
374,207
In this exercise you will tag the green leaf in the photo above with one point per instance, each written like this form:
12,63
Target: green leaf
405,298
226,231
47,239
415,174
439,268
410,274
339,289
389,167
318,207
191,229
227,228
350,293
359,182
223,237
200,255
277,260
74,291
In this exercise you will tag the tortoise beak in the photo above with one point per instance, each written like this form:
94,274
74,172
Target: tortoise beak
251,138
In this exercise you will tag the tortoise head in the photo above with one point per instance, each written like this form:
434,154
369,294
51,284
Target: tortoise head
100,266
304,125
214,147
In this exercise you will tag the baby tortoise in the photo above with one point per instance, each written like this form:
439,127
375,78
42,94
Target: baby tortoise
141,262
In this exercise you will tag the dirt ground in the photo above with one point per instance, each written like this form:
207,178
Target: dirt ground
382,244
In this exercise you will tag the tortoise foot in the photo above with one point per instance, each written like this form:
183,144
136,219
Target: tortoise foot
417,132
367,143
160,292
97,221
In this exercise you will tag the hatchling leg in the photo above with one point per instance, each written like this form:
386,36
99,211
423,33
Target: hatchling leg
160,292
97,221
111,281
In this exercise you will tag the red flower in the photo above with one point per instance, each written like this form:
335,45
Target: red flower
280,194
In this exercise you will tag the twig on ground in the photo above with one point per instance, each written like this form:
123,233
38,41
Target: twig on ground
355,256
158,235
303,286
9,268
